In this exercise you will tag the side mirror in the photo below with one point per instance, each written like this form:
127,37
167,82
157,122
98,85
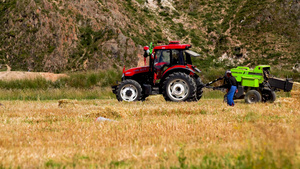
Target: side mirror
146,54
146,51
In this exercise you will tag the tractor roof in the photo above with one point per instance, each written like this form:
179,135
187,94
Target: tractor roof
173,45
192,53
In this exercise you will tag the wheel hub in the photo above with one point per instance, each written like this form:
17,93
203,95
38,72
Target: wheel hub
129,92
178,89
253,98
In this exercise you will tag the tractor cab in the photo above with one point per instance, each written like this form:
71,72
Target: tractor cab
172,55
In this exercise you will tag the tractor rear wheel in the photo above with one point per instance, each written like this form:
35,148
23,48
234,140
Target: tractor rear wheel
129,90
179,87
252,96
199,90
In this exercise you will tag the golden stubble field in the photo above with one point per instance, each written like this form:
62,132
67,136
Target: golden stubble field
150,134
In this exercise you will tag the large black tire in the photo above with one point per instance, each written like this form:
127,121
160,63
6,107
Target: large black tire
252,96
179,87
129,90
269,96
199,90
200,86
272,97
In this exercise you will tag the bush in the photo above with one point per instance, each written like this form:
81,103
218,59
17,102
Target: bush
84,80
92,79
38,83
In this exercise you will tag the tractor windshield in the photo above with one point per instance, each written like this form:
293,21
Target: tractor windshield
162,58
170,57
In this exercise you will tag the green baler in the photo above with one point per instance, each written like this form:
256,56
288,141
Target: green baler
257,84
250,77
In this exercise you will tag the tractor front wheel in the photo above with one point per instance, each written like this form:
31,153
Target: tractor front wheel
252,96
179,87
129,90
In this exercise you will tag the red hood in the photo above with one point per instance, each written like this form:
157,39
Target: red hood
136,70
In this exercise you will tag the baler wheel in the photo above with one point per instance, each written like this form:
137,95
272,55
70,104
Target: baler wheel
270,96
252,96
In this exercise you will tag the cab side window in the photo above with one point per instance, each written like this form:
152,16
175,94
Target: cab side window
178,57
175,57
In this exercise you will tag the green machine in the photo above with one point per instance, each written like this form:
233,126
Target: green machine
257,85
251,77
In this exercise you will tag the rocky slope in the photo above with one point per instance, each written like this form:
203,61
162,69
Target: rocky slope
63,35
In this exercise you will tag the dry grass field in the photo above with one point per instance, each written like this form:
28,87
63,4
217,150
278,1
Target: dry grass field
150,134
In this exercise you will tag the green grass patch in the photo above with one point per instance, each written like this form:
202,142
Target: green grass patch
249,159
285,74
38,83
53,164
83,85
213,94
253,157
82,80
56,94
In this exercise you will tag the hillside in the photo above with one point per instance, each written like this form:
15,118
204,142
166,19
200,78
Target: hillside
58,36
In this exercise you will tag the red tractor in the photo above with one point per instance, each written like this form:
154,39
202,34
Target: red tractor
170,72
